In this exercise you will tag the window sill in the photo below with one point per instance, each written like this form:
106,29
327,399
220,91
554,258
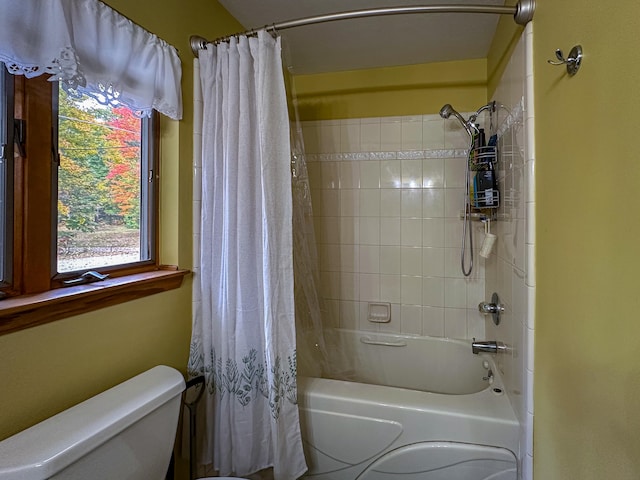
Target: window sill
29,311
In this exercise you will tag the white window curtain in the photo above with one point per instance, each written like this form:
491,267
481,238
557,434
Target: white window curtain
91,49
243,336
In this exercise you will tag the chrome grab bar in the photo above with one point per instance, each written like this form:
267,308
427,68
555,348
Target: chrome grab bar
368,341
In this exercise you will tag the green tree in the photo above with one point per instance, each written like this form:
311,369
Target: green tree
82,142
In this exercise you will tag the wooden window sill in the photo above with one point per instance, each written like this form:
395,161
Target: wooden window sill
28,311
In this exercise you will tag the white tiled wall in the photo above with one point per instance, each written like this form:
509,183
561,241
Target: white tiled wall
511,270
387,194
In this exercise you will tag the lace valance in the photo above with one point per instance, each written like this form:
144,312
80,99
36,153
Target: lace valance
90,48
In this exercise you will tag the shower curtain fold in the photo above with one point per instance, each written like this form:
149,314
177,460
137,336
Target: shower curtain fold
243,337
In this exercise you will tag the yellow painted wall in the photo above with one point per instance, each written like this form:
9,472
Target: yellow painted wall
46,369
587,354
406,90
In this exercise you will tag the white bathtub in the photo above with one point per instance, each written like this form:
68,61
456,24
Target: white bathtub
421,411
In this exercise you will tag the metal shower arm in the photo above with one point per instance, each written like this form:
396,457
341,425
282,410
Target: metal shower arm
489,106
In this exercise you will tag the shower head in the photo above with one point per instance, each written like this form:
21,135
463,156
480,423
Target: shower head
447,110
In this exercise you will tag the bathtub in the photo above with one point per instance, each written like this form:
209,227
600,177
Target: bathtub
420,408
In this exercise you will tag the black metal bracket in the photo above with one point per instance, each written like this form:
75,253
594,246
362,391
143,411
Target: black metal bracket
20,135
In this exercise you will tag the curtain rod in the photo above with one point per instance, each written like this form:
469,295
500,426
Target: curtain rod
522,14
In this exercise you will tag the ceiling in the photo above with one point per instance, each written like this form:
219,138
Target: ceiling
370,42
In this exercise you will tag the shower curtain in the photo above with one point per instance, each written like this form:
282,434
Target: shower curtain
243,338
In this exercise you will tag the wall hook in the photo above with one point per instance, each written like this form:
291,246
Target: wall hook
572,62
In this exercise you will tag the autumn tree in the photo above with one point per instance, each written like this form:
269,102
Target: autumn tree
124,173
99,171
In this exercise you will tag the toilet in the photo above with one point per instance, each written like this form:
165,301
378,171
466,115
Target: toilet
126,432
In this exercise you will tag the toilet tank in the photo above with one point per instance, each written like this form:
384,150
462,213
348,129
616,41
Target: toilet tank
124,433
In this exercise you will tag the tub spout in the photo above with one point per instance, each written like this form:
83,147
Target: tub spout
488,346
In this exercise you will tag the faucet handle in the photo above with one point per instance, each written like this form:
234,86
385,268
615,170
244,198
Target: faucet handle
495,308
486,308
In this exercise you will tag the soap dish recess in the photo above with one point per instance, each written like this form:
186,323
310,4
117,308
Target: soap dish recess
379,312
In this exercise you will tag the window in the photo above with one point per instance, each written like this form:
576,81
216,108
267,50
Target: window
78,182
104,175
84,188
50,209
38,199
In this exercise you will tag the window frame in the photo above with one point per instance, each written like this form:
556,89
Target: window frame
149,187
6,176
36,294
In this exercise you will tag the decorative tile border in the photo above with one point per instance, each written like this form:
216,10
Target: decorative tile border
400,155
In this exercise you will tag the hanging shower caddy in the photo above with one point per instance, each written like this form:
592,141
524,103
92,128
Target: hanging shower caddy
484,159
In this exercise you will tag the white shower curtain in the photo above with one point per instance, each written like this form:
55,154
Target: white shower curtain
243,337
